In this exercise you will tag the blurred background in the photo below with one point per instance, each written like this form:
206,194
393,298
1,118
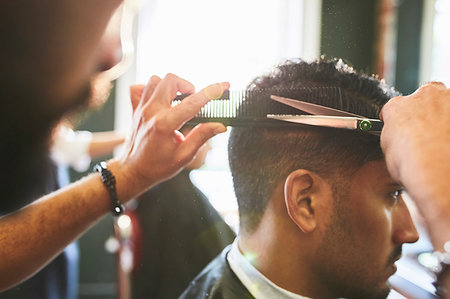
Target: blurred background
205,41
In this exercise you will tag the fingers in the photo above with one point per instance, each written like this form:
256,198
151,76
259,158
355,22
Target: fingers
150,89
197,137
191,105
387,107
140,94
427,92
166,91
136,94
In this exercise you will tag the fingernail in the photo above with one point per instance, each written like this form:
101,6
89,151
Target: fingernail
220,129
214,91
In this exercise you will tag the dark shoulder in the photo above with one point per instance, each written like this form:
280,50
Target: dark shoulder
217,281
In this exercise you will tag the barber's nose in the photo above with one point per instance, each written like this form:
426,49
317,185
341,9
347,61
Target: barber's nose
110,54
404,229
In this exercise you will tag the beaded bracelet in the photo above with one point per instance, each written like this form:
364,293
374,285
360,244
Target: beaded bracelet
109,181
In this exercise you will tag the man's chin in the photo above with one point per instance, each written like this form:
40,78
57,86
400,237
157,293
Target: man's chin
383,292
375,293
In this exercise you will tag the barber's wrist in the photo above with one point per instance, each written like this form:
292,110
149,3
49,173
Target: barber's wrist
109,182
128,184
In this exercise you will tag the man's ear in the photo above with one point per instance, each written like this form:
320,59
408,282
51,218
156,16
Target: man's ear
302,191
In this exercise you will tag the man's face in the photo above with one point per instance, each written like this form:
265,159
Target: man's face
365,236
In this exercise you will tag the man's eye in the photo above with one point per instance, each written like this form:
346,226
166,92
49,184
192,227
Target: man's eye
396,195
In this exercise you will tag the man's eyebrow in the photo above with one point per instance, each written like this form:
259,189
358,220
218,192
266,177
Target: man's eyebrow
395,185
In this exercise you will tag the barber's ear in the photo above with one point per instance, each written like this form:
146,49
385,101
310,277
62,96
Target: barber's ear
302,191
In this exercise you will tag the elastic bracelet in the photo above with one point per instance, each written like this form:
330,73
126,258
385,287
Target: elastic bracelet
109,181
443,271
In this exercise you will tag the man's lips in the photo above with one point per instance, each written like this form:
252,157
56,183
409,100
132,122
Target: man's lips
392,266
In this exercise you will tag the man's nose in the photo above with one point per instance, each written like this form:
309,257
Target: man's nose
404,230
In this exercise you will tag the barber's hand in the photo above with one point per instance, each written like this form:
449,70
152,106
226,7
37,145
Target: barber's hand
416,143
156,151
416,130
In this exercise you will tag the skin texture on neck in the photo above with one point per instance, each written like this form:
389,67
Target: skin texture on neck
283,252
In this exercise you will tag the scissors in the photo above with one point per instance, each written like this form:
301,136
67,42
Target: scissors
327,117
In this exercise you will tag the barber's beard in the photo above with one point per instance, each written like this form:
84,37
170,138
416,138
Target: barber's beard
26,124
100,91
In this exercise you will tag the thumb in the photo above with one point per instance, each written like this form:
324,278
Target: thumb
197,137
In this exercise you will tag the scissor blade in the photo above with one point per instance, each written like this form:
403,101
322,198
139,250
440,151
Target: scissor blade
312,108
319,120
373,126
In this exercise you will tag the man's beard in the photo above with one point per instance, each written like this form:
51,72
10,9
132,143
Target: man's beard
27,121
350,287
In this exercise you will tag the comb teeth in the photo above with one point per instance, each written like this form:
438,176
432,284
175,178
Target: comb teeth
251,107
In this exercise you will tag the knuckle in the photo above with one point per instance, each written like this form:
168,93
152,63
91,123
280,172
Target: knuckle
392,102
159,124
170,76
204,134
397,98
430,87
154,79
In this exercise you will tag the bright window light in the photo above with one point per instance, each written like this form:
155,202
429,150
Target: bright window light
441,43
205,41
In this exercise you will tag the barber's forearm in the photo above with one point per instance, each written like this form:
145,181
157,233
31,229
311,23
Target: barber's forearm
103,143
34,235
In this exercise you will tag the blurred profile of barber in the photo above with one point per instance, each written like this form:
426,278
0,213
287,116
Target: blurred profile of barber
52,52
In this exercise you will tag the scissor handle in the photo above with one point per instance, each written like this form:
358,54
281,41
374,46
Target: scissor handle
370,125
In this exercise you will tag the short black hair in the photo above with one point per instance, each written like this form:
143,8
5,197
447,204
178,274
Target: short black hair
262,157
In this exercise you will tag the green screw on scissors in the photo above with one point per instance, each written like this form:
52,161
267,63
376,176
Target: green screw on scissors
365,125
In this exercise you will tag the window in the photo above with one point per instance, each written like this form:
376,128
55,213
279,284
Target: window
440,65
435,48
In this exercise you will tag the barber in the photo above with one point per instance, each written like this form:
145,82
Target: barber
50,52
416,143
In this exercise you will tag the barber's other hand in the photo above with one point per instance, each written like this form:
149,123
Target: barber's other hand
416,143
156,151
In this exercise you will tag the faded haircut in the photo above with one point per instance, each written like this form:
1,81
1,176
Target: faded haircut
262,157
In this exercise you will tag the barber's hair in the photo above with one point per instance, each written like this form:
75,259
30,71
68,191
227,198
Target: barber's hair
262,157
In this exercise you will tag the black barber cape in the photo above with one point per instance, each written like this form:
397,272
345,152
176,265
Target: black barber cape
181,234
217,281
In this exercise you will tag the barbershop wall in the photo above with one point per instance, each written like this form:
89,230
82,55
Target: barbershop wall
351,30
408,45
348,31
